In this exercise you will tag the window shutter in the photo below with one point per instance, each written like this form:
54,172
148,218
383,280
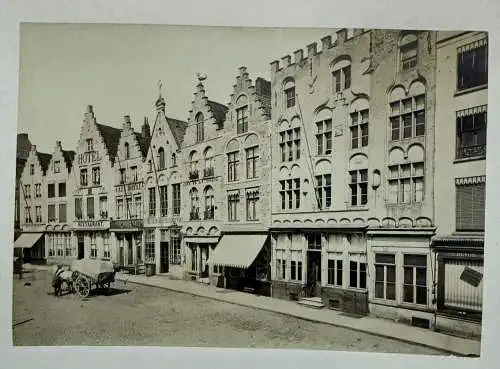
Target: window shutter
62,213
470,207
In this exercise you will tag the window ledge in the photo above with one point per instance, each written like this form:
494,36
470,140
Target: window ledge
470,90
471,158
379,301
356,289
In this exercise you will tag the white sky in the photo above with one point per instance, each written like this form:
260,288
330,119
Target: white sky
116,68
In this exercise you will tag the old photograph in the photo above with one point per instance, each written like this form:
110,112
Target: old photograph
293,188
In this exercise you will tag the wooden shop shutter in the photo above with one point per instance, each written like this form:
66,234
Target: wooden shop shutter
470,204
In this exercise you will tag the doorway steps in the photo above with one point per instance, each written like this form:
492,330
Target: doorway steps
312,302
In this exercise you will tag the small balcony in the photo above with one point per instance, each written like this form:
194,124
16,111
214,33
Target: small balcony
194,214
194,174
103,214
465,152
209,213
208,172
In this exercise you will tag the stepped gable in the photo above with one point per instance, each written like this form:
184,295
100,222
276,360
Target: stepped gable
143,143
218,110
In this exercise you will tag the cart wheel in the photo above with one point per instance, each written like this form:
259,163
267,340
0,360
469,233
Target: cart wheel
82,286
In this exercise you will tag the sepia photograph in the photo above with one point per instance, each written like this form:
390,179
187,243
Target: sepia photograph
244,187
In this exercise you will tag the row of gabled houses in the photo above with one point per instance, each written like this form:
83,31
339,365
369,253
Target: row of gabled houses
329,184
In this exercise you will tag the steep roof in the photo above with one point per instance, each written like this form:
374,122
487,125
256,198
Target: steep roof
44,160
143,143
68,155
111,137
218,110
178,129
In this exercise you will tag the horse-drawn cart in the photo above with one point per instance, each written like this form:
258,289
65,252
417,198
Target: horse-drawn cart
92,273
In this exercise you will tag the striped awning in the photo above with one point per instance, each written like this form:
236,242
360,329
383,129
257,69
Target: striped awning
27,240
237,250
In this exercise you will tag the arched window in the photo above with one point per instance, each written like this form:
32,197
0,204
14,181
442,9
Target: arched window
209,203
407,112
161,158
195,207
289,92
324,132
127,151
358,182
323,184
406,175
408,52
341,73
359,112
193,165
209,171
200,128
174,160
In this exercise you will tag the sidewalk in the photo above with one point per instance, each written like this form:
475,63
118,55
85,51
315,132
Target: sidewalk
449,344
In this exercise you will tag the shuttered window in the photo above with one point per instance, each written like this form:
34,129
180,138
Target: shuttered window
62,213
78,208
470,207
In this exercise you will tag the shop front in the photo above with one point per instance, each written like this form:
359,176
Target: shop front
128,235
30,246
460,262
242,263
93,240
198,252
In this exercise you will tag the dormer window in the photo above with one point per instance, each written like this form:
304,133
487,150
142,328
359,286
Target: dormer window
289,92
408,52
57,166
32,169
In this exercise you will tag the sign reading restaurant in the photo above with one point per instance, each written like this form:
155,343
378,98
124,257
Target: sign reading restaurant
89,157
91,224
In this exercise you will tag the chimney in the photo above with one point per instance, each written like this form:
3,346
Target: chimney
262,87
341,35
287,60
126,122
312,49
146,130
275,66
326,43
298,56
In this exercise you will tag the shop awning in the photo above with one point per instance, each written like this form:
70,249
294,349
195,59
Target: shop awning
238,251
27,240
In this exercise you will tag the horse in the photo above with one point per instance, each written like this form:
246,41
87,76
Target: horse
62,276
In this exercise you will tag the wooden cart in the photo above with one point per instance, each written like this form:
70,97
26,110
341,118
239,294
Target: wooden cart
90,273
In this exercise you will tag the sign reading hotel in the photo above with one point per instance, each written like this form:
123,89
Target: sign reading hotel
127,224
89,157
130,187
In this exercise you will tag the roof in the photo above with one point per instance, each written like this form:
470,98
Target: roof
142,142
111,137
68,155
178,129
44,160
219,111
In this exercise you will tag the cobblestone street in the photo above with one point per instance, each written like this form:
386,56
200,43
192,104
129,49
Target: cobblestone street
140,315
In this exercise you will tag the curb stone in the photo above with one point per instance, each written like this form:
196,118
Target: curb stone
448,351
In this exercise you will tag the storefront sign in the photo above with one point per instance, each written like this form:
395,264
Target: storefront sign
470,180
127,223
129,187
89,157
91,224
471,276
